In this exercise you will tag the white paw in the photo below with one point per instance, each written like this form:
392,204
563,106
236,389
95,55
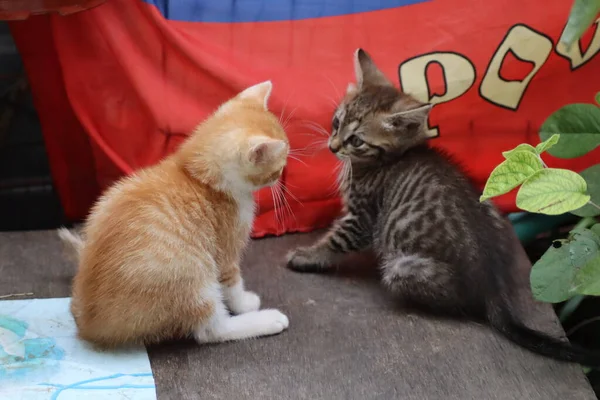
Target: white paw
244,302
272,321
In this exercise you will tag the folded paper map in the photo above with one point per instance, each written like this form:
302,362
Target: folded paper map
42,358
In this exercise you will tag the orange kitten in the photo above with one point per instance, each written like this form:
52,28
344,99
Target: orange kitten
161,249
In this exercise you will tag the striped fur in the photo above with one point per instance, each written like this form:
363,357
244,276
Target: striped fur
439,248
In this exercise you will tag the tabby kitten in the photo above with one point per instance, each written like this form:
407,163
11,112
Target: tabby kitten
161,249
439,247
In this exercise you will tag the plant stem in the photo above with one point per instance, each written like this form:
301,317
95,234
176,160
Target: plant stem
594,204
569,307
584,223
582,324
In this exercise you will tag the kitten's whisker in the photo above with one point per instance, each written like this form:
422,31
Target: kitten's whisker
286,202
281,202
283,109
297,159
285,206
289,193
318,144
289,118
333,102
299,152
335,89
275,211
334,187
314,123
315,127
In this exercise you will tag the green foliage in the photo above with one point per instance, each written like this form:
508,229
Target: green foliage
519,166
547,144
537,150
571,266
583,14
596,229
579,129
592,178
587,281
522,147
553,191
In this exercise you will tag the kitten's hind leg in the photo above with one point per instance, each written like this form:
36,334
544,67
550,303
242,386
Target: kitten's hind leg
347,235
423,282
222,327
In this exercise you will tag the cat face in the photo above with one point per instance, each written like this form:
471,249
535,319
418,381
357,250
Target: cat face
375,120
243,145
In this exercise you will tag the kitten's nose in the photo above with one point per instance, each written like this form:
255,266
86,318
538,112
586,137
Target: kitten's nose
333,149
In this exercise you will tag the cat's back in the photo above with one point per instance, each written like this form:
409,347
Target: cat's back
426,198
429,175
159,194
158,213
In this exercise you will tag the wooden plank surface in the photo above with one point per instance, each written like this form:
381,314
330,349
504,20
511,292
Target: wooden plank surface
347,339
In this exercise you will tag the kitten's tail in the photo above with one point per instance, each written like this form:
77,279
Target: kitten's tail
72,239
503,321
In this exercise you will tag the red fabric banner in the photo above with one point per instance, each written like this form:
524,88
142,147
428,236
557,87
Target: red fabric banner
119,86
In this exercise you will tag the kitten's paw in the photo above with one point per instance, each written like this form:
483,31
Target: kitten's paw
272,321
305,259
245,302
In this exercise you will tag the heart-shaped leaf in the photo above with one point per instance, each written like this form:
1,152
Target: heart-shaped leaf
546,144
579,129
552,191
521,147
592,179
596,229
553,276
511,173
587,280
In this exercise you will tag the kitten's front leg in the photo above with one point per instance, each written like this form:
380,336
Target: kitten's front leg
237,299
347,235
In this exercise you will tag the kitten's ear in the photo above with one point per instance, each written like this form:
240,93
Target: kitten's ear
367,73
259,93
407,120
264,149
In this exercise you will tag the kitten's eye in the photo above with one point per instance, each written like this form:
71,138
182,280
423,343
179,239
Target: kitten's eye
335,124
356,141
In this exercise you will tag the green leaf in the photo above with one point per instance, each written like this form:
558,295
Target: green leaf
587,280
596,229
521,147
598,98
579,129
581,17
552,191
546,144
511,173
592,178
552,277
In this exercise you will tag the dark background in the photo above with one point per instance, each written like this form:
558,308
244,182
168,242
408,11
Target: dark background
27,197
